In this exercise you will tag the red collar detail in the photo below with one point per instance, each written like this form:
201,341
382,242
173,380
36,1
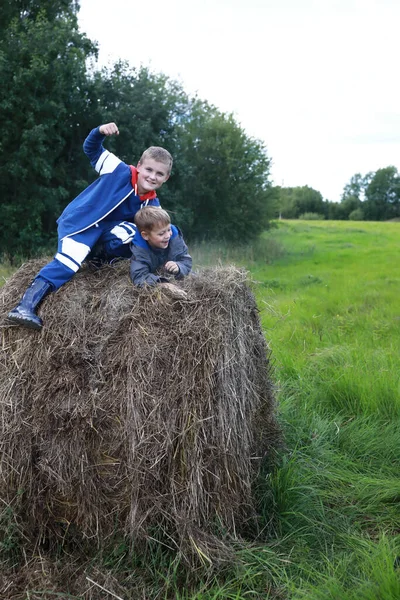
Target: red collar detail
134,178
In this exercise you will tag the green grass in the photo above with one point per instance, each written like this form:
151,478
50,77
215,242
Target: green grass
329,296
5,271
329,299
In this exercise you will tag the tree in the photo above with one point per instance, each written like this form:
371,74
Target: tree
348,205
221,188
43,99
50,100
352,198
373,197
356,215
296,201
286,205
356,187
25,10
145,105
383,195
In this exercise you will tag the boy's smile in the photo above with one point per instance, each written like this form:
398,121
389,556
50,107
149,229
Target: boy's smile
151,175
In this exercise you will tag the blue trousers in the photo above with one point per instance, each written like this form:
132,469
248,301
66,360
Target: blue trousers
115,237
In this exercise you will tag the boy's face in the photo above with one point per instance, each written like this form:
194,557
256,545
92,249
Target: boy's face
158,237
151,175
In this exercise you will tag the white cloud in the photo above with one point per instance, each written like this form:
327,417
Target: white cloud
316,80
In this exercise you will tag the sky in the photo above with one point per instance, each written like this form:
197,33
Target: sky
316,80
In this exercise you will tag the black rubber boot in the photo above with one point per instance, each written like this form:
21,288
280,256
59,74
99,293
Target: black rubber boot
25,313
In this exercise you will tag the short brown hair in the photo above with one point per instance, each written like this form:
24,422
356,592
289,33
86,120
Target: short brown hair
149,217
159,154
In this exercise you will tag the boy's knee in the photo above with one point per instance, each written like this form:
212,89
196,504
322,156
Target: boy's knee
74,251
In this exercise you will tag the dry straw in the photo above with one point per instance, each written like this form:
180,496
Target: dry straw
135,413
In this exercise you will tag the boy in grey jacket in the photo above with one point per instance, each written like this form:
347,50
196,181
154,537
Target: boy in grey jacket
156,246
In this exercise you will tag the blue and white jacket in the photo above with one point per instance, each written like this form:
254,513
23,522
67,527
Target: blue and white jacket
113,196
147,261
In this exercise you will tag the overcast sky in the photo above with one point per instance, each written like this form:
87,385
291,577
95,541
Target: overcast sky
316,80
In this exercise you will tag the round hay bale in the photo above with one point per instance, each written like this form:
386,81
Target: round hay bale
135,412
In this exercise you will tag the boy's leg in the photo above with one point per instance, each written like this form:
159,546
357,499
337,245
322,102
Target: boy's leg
25,312
72,251
70,255
114,241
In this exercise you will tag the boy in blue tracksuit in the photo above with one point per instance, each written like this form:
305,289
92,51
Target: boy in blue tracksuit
103,211
157,246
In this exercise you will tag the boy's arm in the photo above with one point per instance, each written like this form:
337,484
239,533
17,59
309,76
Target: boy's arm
185,266
94,149
181,258
140,268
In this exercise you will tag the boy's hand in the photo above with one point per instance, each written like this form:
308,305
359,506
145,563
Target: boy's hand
171,267
109,129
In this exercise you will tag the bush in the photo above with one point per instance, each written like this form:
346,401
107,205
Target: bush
311,216
356,215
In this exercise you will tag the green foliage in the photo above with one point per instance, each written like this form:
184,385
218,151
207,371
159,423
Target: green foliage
50,100
311,216
356,187
295,201
217,167
221,188
348,205
356,215
42,97
383,195
29,10
10,536
372,197
145,105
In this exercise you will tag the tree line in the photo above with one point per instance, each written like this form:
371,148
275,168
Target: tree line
371,197
52,95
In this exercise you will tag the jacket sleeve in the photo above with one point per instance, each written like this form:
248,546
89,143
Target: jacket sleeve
93,146
140,268
180,255
101,159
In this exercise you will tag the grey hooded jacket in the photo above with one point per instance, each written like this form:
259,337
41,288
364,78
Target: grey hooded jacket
146,261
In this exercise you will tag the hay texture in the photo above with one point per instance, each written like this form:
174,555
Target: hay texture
135,413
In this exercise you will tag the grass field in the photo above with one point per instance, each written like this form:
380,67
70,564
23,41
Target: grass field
5,271
329,299
329,295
